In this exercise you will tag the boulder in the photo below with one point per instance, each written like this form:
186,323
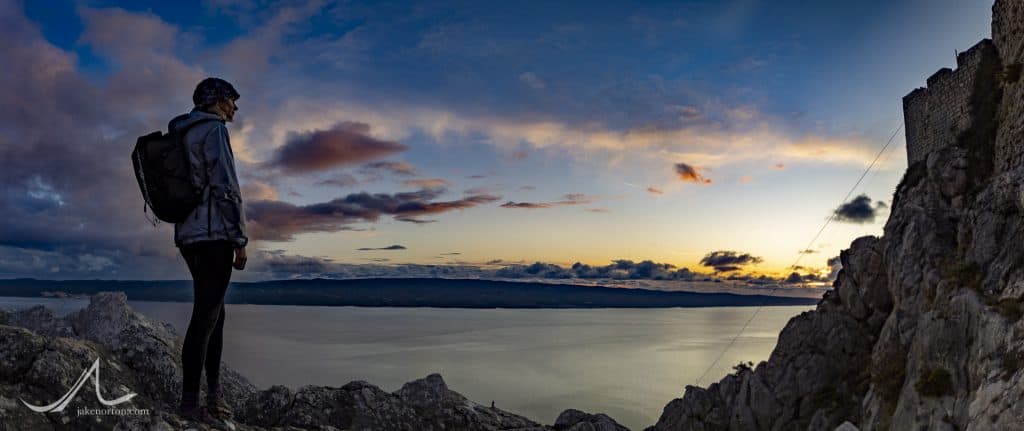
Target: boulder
43,355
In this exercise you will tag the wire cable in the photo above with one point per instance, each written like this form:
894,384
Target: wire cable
799,256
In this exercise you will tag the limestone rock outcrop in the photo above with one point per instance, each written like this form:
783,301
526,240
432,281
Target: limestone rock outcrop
575,420
922,328
42,355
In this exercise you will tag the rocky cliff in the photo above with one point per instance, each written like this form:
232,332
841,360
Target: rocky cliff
922,329
42,355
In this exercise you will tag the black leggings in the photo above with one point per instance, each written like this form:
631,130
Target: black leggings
210,265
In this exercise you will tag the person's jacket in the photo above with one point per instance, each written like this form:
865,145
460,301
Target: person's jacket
220,216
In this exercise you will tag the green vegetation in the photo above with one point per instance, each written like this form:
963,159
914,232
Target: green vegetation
966,273
911,177
862,382
829,398
1009,308
934,382
887,376
1011,73
1012,362
742,366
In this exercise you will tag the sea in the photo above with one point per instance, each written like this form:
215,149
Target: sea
626,363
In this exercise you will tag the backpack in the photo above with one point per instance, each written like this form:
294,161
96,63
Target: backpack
164,173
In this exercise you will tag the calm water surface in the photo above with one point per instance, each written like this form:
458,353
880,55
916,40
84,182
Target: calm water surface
627,363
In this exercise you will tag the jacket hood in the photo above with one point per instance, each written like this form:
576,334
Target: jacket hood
187,119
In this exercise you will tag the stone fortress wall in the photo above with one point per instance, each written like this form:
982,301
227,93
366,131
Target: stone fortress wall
1007,28
935,116
938,115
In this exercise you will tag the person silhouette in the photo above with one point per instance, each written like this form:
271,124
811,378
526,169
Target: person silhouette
212,241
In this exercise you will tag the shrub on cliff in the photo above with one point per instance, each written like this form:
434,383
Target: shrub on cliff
934,382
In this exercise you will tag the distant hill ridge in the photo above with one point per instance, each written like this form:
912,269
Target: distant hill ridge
404,292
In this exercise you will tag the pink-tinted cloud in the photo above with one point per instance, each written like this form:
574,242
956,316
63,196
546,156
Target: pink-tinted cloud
517,155
149,76
391,167
344,144
478,190
422,208
341,180
428,183
66,203
570,199
390,247
511,204
689,173
258,190
281,221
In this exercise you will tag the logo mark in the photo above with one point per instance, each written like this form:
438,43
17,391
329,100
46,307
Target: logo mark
59,405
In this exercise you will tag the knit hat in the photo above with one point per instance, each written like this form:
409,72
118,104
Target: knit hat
212,90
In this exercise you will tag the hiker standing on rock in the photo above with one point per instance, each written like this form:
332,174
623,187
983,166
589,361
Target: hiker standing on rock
212,240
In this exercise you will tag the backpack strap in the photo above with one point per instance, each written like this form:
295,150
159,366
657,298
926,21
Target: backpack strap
207,187
202,153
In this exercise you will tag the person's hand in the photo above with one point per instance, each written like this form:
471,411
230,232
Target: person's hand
240,258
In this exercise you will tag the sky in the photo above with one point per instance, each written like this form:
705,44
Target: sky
676,140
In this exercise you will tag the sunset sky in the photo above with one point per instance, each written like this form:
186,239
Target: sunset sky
709,135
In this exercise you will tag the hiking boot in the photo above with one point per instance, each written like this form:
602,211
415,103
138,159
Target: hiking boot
218,408
199,413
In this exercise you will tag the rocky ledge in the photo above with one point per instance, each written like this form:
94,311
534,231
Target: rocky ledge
42,355
922,329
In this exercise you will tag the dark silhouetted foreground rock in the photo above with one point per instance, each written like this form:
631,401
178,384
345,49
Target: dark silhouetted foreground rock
42,355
